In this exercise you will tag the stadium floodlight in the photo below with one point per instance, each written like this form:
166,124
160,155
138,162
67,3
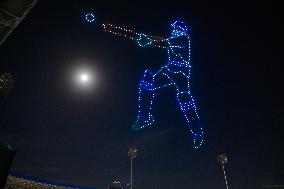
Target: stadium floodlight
132,153
6,83
222,160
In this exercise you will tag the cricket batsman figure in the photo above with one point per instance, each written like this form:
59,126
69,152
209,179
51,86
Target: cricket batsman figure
175,73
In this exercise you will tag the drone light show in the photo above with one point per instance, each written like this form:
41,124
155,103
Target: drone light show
90,17
140,38
177,69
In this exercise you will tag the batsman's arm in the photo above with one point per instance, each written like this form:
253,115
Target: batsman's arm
142,39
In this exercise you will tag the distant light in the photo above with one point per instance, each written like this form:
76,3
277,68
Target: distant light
90,17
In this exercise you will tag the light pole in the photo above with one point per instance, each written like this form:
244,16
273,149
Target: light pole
222,160
132,153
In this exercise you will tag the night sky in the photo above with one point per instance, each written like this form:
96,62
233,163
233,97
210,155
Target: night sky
81,137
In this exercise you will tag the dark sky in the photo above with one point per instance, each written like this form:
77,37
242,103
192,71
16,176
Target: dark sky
79,137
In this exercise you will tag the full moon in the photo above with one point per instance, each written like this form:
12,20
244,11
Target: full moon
84,78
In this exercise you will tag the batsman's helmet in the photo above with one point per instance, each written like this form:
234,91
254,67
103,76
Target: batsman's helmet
179,28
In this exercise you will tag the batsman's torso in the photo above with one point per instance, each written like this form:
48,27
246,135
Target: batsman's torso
179,51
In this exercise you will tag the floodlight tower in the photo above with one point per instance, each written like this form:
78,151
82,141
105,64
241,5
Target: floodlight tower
222,160
12,12
132,153
6,83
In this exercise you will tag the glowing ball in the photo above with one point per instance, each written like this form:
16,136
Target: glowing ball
90,17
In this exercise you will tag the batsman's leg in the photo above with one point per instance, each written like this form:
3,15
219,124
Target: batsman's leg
146,95
187,105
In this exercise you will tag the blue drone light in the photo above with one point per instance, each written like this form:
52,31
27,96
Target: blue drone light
90,17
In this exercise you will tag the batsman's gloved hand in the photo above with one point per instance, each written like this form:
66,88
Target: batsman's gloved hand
144,40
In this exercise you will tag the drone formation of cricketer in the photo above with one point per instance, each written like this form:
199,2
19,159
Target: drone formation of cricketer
175,72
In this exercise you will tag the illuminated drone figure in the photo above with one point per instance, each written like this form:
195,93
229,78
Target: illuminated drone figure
176,72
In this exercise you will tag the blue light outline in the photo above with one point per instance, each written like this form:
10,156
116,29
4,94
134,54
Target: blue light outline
179,28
